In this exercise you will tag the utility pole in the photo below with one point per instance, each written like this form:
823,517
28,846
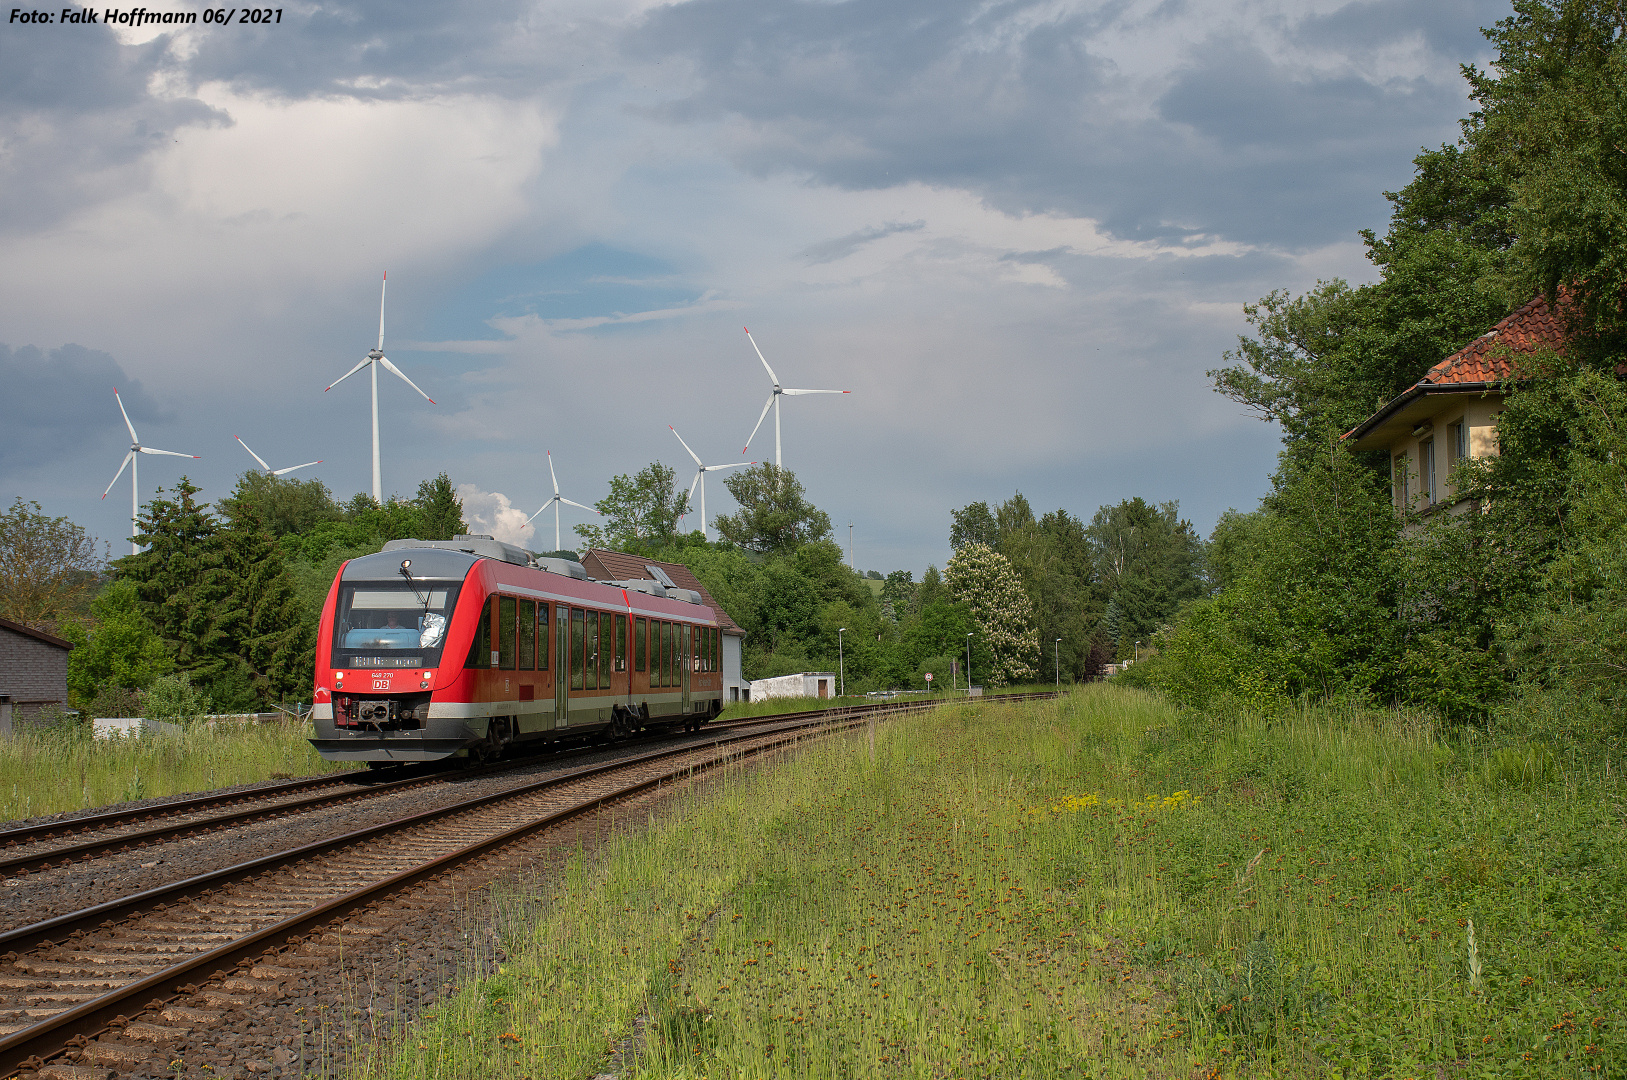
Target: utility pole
851,565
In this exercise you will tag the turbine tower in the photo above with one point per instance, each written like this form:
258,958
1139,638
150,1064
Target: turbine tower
700,475
555,501
371,361
269,470
774,402
130,460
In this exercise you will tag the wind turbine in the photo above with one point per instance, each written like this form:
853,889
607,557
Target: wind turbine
371,361
555,501
130,460
700,475
774,401
268,468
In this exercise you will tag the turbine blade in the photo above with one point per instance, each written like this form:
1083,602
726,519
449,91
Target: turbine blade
291,468
382,288
553,475
255,456
753,434
684,444
133,436
579,506
349,373
795,393
695,482
736,465
392,369
122,465
771,374
166,453
540,509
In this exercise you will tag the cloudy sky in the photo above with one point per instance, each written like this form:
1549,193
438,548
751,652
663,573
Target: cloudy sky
1019,231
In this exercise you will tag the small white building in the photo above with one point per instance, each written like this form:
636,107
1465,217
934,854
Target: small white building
804,684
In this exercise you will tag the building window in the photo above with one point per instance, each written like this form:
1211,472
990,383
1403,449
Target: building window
1457,443
1426,470
1400,478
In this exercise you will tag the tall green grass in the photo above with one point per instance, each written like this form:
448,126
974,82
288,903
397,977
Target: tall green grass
63,768
1098,886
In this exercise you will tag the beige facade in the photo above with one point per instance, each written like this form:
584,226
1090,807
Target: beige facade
1425,441
1451,413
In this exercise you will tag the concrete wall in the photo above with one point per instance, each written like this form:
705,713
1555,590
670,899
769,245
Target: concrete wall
735,688
33,674
804,684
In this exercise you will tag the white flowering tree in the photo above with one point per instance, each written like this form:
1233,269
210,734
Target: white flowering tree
985,581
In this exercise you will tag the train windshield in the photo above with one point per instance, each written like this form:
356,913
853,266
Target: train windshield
382,624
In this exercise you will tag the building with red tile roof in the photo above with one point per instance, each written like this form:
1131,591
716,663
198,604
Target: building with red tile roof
1451,413
605,565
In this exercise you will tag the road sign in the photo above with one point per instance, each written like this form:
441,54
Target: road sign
929,676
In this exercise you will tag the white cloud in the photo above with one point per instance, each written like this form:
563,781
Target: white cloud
491,512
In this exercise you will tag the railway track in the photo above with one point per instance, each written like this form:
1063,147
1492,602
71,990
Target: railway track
61,843
69,984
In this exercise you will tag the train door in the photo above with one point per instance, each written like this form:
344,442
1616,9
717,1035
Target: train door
562,665
686,654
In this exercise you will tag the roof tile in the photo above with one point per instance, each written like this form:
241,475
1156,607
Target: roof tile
1536,327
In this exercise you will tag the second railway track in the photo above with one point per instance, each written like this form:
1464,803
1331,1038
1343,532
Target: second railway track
65,980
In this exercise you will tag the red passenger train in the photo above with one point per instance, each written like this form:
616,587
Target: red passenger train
466,647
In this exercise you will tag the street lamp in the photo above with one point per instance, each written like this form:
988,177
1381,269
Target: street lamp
969,664
1138,652
841,665
1057,652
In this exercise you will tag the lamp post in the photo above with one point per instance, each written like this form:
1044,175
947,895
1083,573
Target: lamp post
969,664
841,665
1057,653
1138,652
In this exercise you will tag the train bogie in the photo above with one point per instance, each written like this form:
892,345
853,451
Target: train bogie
468,647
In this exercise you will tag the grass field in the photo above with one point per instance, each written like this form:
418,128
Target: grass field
1094,887
49,771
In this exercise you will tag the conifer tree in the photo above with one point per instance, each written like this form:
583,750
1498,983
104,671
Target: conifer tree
259,611
179,581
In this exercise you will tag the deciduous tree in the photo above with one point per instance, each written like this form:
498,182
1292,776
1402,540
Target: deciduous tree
49,567
983,580
775,515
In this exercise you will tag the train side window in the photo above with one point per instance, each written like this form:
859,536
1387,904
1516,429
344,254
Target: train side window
543,642
641,642
669,658
480,650
621,643
591,682
708,639
578,643
607,649
505,633
528,635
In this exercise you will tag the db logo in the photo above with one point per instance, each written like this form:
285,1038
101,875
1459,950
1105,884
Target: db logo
381,684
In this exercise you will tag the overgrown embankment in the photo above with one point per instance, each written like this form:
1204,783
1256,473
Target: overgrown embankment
1098,886
50,770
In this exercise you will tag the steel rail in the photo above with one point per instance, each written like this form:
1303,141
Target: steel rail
158,833
31,1046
